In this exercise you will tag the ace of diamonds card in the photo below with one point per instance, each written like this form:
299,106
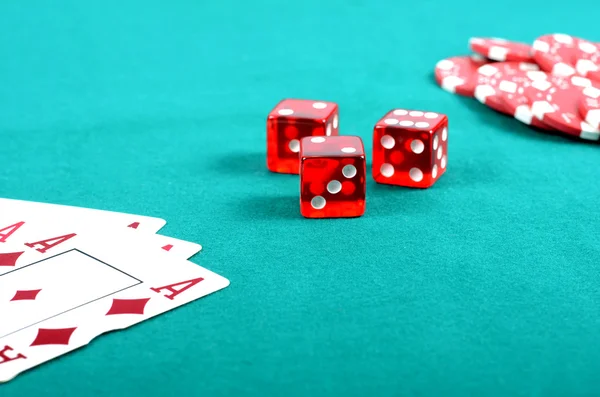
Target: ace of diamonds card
60,288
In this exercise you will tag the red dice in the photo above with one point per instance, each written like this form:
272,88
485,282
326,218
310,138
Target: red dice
332,177
410,148
289,122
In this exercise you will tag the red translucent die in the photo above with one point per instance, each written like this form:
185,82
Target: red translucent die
289,122
332,177
410,148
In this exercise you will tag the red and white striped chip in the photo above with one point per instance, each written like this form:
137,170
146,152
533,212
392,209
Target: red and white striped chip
489,77
458,75
555,102
501,49
589,106
511,91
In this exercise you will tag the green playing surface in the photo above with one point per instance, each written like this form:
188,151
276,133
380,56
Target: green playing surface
485,284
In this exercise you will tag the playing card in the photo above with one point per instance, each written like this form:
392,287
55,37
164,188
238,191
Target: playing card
92,216
60,292
19,222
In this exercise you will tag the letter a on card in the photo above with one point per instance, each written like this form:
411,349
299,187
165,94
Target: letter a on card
9,230
50,243
174,291
5,357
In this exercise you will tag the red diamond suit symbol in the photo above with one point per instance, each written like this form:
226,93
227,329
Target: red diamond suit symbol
56,336
128,306
26,295
9,258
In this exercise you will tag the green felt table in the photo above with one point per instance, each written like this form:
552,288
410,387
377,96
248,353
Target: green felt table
485,284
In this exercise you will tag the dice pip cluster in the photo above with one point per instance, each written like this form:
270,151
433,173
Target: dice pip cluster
410,148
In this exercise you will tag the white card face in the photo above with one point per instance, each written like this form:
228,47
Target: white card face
92,216
20,224
59,294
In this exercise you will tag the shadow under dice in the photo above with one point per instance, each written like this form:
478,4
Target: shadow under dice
332,177
289,122
410,148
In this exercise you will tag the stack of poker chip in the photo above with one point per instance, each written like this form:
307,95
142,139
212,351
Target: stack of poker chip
552,85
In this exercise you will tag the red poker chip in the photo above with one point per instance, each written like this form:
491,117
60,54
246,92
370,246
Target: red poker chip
555,102
489,77
501,49
589,106
511,91
458,75
556,54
